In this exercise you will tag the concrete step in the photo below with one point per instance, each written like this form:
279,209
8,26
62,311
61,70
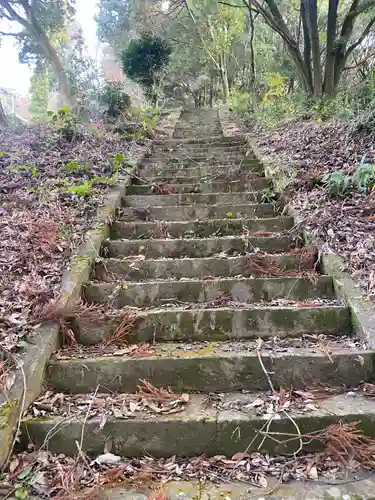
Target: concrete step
159,200
255,184
198,229
195,248
200,160
218,171
181,212
201,148
178,324
141,268
197,429
191,142
227,175
221,367
243,290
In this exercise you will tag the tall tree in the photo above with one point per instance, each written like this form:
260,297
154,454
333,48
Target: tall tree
218,27
38,20
3,118
336,42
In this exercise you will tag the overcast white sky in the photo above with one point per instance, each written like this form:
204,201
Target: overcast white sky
17,76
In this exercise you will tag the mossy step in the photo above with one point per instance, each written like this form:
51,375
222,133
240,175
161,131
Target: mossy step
213,368
177,324
205,171
245,290
202,160
199,229
195,247
255,184
181,212
204,267
139,201
197,150
197,430
212,141
176,178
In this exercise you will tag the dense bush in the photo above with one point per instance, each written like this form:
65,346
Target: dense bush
114,99
143,61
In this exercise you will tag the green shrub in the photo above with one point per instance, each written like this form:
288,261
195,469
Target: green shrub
114,99
143,61
65,121
336,184
364,177
239,103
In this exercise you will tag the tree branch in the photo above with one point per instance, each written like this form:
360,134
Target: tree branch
20,34
14,16
361,38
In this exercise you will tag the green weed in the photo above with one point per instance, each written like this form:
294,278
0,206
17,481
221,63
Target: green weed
75,167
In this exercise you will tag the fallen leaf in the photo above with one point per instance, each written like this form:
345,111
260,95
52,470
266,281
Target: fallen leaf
240,456
262,481
107,459
313,473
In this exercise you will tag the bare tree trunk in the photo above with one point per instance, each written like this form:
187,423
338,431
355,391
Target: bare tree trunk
252,53
64,85
224,78
3,118
329,70
311,7
306,42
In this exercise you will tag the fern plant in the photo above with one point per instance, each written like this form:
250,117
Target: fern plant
364,177
336,184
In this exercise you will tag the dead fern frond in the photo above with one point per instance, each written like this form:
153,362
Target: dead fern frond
120,336
346,443
148,391
78,318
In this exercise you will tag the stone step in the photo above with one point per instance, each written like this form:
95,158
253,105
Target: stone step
217,141
201,160
195,248
198,146
227,175
244,290
178,324
221,367
141,268
254,184
213,172
159,200
181,212
197,429
198,229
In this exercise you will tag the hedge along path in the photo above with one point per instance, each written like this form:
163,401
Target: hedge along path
204,287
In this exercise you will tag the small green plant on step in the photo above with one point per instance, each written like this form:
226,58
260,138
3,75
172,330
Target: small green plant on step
268,195
336,184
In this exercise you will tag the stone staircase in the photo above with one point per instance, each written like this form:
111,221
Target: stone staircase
212,267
